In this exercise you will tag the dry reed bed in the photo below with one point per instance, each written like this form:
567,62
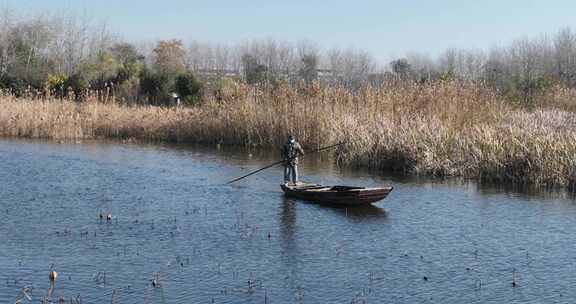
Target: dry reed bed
442,129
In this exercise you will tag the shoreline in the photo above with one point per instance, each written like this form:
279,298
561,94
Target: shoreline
443,130
265,154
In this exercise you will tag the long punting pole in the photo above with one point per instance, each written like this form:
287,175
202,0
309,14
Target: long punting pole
281,161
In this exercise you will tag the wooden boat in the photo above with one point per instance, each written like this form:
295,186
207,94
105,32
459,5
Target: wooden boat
337,195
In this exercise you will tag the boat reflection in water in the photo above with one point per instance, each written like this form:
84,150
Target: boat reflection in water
362,212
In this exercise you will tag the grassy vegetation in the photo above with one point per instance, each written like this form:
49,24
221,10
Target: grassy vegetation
440,129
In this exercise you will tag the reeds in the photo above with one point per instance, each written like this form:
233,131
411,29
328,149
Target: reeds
439,129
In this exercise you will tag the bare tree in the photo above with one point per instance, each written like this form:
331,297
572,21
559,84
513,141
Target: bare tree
565,56
350,67
222,59
309,57
6,24
474,60
448,62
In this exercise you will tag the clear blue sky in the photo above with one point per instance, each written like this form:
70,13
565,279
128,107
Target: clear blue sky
384,28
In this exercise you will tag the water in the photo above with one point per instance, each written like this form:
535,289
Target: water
428,242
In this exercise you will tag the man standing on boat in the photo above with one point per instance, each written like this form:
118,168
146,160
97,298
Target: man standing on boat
290,152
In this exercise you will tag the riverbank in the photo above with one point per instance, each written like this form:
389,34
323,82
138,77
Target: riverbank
441,129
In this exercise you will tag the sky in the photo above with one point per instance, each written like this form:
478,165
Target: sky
386,29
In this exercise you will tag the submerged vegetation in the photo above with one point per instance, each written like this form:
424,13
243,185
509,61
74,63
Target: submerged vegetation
445,128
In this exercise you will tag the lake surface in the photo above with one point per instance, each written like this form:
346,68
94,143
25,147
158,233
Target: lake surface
207,242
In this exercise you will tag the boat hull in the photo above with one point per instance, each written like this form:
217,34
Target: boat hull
336,195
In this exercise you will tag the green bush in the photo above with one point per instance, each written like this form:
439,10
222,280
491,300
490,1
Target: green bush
14,85
154,86
188,87
524,91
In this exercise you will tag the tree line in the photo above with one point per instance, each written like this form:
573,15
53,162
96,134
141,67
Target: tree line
72,56
520,71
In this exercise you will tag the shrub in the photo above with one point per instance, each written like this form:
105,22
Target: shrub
14,85
225,89
55,84
154,86
188,87
76,84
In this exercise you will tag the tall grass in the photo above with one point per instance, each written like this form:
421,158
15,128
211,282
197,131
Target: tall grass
439,129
